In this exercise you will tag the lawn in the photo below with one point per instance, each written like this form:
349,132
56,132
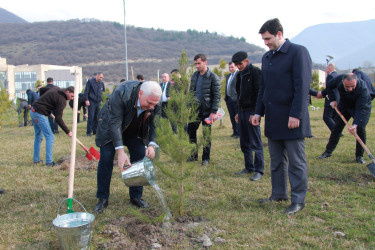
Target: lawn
340,196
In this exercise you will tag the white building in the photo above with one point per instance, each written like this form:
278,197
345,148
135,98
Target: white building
17,79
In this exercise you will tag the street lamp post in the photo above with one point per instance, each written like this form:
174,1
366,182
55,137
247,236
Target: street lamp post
126,48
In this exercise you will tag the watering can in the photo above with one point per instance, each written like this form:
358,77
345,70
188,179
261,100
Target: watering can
141,173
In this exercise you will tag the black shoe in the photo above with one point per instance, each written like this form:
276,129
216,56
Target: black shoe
52,164
205,162
56,132
256,177
190,159
102,204
360,160
270,199
234,135
139,203
93,133
88,135
38,162
1,191
294,208
244,171
325,155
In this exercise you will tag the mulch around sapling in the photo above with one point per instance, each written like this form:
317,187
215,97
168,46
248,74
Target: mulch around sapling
128,232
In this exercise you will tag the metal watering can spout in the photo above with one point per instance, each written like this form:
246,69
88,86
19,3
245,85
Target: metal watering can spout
141,173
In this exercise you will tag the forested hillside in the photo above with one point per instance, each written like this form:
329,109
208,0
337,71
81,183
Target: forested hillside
99,46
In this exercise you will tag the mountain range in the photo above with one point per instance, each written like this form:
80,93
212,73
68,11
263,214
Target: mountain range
352,44
99,45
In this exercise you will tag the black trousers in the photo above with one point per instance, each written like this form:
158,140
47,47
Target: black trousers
233,110
192,131
137,152
337,131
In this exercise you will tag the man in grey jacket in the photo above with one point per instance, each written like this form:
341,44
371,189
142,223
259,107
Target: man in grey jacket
126,119
206,86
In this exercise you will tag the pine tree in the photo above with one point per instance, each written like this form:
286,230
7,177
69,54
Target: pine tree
181,110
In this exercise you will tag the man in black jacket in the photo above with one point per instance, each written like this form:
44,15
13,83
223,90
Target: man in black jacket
328,113
355,101
247,88
81,105
127,118
42,91
93,96
206,86
231,96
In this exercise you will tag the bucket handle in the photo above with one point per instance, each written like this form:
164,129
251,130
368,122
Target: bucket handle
58,211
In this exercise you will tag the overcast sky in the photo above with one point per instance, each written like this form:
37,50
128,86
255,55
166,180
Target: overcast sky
240,18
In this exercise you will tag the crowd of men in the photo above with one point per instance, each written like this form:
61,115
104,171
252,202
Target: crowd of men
279,92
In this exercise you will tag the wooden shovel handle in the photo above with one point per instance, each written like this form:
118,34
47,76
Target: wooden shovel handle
355,133
80,143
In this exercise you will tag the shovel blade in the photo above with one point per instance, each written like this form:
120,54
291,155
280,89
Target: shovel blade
94,153
371,167
89,156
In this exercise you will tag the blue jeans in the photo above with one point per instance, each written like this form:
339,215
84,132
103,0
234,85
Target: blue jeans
42,127
137,152
92,122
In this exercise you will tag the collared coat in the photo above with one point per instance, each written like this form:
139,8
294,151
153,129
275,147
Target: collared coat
283,91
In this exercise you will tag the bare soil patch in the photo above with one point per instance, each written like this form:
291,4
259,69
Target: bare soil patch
82,163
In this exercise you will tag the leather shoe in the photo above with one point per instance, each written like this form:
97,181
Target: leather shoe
139,203
294,208
52,164
360,160
256,177
102,204
234,135
205,163
244,171
1,191
190,159
270,199
325,155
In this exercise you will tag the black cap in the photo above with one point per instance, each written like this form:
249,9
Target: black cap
239,57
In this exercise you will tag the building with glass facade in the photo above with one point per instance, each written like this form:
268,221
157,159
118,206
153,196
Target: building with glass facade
18,79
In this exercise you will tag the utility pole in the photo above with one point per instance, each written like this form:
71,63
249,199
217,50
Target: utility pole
126,48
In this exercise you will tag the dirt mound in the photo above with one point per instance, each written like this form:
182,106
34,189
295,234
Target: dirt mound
82,163
131,233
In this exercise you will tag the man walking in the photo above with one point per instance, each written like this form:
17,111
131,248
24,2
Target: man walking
206,86
231,97
284,88
355,101
126,119
93,96
55,99
247,88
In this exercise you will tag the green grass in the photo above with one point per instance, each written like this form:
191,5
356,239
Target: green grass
340,194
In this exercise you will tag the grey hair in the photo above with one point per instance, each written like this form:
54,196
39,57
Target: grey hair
151,87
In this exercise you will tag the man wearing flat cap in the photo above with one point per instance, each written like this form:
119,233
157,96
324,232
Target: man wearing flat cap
247,87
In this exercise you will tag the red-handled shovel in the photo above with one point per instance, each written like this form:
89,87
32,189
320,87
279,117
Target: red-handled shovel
91,153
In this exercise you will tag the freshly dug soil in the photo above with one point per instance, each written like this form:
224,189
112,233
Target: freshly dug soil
131,233
82,163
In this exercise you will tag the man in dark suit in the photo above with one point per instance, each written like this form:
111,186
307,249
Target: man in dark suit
165,87
93,96
284,88
355,101
328,113
231,97
247,88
